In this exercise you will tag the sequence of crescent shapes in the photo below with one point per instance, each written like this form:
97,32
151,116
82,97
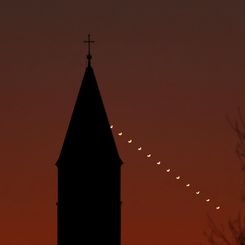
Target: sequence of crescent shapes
168,170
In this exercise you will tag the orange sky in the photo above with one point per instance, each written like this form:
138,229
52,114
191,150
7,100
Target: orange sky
169,73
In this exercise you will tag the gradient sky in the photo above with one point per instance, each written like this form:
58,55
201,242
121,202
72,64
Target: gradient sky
169,73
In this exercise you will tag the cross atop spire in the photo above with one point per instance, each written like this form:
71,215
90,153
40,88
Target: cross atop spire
89,56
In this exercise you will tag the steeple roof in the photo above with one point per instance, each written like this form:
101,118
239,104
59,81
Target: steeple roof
89,130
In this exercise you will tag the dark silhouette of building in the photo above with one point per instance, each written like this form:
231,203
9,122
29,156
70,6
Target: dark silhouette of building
89,205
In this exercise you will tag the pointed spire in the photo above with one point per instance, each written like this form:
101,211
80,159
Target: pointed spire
89,56
89,172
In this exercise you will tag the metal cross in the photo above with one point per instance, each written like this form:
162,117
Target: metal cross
89,42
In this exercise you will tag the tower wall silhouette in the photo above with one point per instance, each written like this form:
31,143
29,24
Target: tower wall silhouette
89,205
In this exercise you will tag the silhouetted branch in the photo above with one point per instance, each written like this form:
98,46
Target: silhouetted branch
216,235
238,126
233,235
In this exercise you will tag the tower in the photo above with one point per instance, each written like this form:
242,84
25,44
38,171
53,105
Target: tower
89,202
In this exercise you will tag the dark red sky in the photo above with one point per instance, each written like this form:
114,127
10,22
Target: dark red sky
169,73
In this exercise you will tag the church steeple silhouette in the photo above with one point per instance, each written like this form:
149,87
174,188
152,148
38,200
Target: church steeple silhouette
89,205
